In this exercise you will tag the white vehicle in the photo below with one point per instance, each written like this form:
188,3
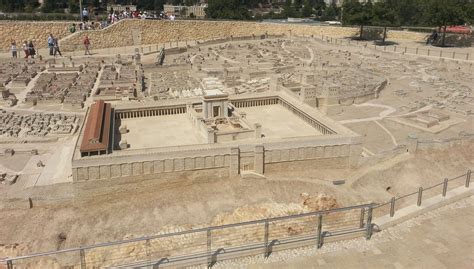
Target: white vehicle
333,22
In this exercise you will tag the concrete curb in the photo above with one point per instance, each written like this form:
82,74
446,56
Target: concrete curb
432,203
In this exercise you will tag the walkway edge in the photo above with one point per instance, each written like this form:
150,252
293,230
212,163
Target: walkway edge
432,203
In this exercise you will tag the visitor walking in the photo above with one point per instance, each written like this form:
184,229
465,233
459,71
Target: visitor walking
432,38
87,44
51,44
31,49
85,14
26,50
14,50
56,47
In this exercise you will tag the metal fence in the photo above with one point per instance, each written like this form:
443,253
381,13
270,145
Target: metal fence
423,193
209,245
428,51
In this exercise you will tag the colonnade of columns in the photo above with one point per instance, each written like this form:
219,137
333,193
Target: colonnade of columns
316,124
150,112
251,103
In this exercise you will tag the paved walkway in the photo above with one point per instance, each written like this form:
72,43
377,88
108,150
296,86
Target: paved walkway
442,238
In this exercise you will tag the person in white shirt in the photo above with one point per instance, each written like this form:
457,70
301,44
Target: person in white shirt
14,50
85,15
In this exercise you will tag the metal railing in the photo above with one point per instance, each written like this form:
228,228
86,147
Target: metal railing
209,245
423,193
429,51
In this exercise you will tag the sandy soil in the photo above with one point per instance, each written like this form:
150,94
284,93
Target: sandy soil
93,212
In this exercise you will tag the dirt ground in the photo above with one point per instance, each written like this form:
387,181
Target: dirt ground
94,212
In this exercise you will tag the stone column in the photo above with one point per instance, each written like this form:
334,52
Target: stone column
234,166
211,137
259,159
412,143
258,130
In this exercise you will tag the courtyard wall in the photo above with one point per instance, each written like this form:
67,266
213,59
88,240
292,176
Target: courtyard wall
36,31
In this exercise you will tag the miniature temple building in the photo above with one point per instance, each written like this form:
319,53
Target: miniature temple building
96,136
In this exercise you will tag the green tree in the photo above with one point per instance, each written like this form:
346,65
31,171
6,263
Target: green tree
49,6
469,13
227,9
289,10
408,10
384,15
307,9
356,13
442,13
319,7
332,12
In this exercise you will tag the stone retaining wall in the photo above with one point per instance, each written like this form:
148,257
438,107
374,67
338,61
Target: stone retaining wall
36,31
139,32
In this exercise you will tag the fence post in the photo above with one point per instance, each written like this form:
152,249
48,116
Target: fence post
209,253
405,49
362,215
420,194
267,252
9,264
467,56
83,258
468,178
394,48
320,233
428,52
445,187
147,250
392,207
440,53
454,55
369,223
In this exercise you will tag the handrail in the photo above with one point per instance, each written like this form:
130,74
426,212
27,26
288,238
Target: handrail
288,240
199,230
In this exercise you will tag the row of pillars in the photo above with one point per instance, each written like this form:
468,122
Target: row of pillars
251,103
316,124
151,113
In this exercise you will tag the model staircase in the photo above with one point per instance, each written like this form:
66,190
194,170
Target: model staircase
246,174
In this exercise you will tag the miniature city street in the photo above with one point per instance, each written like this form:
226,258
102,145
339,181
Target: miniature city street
220,133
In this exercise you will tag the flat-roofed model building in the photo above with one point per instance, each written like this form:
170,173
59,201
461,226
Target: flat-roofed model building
96,137
219,135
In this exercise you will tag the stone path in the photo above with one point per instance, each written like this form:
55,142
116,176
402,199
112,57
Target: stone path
442,238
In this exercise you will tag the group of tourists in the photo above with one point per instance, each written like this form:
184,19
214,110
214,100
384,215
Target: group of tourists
53,45
28,49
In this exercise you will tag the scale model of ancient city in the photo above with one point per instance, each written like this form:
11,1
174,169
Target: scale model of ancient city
185,135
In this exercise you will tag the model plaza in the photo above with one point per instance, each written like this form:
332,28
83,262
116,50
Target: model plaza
236,135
